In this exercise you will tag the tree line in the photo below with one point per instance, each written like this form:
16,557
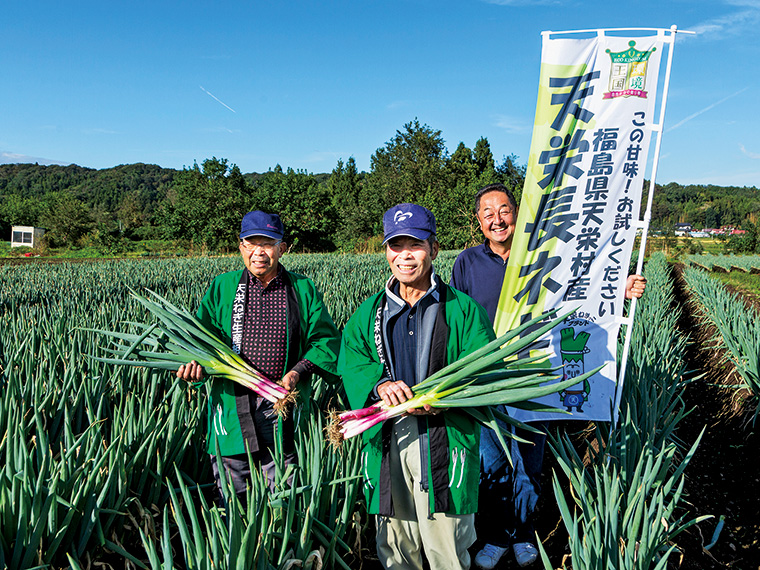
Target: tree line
704,206
709,207
341,210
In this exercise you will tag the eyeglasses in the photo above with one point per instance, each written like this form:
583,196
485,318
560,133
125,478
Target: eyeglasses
267,246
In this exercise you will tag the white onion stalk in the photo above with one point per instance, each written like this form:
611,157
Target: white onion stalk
179,337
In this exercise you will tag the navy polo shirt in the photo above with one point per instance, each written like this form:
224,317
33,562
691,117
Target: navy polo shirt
479,273
403,333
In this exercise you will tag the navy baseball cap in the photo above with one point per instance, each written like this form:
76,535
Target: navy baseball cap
258,223
408,220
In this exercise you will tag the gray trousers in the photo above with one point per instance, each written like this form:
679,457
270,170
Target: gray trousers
401,538
236,467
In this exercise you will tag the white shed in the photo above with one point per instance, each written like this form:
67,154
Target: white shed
27,236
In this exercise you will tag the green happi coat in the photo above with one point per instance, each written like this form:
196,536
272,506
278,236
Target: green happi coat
311,335
453,325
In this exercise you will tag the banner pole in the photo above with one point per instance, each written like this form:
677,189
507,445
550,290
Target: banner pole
644,225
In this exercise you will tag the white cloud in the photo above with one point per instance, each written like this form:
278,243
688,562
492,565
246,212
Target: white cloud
398,105
754,155
220,130
322,156
14,158
10,157
99,131
415,103
514,125
216,98
744,19
722,178
748,3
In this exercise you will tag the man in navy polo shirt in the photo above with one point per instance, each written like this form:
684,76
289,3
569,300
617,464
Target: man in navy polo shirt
507,496
479,272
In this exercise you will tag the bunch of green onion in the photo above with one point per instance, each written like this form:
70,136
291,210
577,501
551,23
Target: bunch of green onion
490,376
179,337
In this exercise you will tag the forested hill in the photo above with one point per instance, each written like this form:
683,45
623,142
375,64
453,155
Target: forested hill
106,189
128,194
343,209
704,206
203,204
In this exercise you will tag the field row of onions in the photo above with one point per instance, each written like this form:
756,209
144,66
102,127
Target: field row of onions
107,465
623,506
737,327
725,263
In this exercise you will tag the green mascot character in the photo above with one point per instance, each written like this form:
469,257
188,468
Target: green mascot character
572,349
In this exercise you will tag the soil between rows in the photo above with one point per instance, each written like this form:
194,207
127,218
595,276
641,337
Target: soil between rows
723,478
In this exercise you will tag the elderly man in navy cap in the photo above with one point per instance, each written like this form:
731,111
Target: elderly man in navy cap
421,470
276,320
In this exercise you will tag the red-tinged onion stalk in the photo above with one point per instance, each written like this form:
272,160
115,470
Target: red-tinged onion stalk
179,337
488,377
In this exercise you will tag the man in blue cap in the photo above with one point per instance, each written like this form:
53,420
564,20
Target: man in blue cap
421,470
276,320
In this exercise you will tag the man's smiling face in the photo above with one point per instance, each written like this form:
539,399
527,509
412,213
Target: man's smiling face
497,217
411,260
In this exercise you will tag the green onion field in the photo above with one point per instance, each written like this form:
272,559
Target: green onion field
104,466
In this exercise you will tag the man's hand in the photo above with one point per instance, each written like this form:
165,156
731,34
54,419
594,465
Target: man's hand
290,380
634,286
191,372
394,393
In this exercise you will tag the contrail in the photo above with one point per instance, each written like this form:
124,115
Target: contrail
690,117
215,97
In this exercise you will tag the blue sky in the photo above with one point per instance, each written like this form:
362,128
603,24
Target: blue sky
303,84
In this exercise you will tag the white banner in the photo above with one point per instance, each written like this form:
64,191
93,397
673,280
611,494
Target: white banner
580,206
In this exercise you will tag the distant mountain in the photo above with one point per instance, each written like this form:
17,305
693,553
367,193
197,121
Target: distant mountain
13,158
